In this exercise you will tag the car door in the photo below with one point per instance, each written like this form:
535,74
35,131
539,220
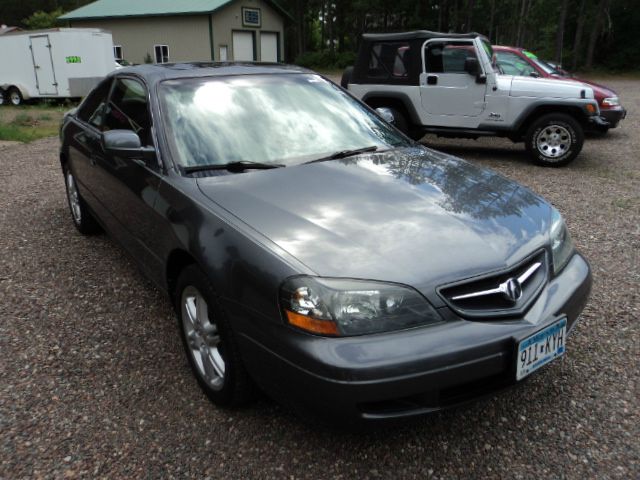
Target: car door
446,89
129,186
83,136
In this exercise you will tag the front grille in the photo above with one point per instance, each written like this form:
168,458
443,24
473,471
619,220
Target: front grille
506,293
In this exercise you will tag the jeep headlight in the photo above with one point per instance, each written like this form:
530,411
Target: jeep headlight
342,307
561,243
611,102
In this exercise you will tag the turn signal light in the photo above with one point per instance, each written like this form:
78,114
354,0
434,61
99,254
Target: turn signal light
591,108
323,327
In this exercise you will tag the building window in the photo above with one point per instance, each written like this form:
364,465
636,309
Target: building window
162,53
117,52
251,17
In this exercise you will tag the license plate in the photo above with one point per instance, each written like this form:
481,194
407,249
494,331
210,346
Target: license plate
540,348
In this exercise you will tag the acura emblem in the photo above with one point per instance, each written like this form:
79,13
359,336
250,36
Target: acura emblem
511,289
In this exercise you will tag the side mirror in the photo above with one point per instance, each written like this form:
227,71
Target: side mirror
386,114
471,66
534,74
125,143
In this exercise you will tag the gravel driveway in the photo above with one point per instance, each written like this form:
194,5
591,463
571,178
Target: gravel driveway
94,382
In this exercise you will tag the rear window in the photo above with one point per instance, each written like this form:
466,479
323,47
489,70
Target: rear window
388,59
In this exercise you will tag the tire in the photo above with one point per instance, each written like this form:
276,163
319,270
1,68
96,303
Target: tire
399,120
82,218
209,341
3,98
14,97
554,140
346,77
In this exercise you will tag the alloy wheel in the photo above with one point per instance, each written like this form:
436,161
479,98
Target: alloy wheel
553,141
74,198
203,338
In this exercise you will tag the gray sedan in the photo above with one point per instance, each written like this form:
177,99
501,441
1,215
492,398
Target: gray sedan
313,250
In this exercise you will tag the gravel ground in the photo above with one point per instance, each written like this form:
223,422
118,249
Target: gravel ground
94,382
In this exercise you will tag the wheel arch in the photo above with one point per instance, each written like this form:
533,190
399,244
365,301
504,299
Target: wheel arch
525,121
177,260
21,88
398,100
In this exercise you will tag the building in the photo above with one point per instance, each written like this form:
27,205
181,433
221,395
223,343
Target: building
162,31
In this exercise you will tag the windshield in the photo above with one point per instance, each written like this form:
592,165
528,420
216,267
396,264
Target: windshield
541,63
284,119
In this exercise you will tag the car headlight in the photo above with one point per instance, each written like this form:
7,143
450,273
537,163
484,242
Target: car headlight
561,243
611,102
342,307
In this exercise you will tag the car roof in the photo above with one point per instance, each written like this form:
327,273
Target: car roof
417,34
154,73
507,48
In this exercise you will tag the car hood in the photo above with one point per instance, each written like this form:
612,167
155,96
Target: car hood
548,88
597,88
411,215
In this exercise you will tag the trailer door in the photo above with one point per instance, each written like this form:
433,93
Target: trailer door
43,65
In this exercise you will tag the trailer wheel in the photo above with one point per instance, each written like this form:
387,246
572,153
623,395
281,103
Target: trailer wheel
15,97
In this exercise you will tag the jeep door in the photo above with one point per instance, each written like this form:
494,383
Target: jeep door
446,89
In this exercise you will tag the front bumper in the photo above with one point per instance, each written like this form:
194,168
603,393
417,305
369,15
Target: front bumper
410,372
613,116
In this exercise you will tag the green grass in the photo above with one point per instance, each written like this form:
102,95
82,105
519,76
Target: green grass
30,122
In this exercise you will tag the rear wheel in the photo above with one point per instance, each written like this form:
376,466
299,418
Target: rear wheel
554,140
80,214
15,97
209,341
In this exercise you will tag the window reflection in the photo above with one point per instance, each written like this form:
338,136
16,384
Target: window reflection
284,118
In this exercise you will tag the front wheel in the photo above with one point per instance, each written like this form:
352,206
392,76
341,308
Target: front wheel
209,341
80,214
554,140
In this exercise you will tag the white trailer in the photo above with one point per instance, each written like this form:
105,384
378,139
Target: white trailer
56,63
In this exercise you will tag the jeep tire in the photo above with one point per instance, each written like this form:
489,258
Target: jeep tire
554,140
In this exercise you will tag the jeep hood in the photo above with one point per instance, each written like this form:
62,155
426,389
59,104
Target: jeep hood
548,88
411,215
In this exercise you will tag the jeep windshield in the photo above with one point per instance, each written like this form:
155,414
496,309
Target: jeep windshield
282,119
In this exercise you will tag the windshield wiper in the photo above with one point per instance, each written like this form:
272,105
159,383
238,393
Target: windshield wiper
240,166
345,154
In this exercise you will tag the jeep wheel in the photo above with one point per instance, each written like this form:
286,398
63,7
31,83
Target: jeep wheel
554,140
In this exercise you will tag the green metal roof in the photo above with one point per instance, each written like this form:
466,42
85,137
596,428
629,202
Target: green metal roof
144,8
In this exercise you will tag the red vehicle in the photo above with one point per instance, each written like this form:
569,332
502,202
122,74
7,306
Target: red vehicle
518,61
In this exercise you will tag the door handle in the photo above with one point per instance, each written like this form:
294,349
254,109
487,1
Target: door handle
432,79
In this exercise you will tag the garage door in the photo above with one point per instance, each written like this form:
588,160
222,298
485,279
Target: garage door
269,47
243,47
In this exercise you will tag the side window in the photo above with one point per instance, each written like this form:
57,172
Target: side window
448,57
388,60
512,64
92,109
127,109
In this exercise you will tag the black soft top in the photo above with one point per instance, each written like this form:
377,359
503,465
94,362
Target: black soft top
381,53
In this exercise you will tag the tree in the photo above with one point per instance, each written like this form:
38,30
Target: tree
41,20
560,31
577,41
